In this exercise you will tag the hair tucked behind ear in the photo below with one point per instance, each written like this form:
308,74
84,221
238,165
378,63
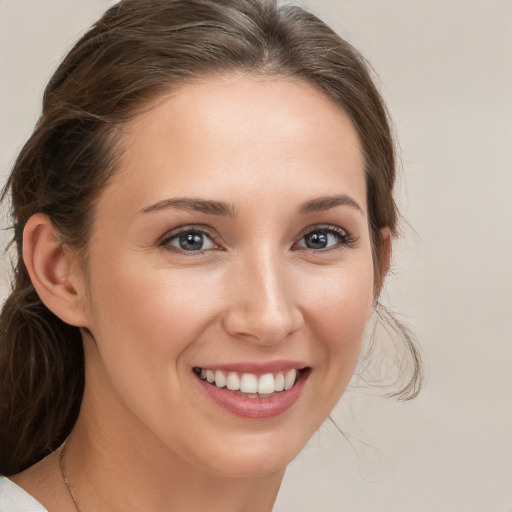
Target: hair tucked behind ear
138,50
41,380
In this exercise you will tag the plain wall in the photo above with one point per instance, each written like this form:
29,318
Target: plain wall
446,72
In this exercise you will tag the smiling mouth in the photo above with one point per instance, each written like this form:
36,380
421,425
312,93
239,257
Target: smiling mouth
250,385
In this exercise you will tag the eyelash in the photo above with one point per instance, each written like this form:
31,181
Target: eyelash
344,239
199,230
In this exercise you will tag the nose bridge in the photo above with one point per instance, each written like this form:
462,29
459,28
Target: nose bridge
263,304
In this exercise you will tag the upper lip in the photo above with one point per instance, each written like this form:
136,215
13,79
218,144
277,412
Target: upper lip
257,367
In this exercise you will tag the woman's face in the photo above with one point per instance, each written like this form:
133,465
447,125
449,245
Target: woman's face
232,244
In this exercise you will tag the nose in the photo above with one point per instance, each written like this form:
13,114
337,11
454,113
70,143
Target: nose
262,304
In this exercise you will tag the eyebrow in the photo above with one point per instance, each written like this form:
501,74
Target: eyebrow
199,205
321,204
221,208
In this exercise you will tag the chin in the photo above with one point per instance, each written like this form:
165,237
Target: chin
251,455
253,463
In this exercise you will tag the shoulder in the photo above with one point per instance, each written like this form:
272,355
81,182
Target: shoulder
14,499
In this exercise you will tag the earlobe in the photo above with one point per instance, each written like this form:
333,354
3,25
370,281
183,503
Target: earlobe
54,271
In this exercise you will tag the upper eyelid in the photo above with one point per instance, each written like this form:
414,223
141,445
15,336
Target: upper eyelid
325,227
197,228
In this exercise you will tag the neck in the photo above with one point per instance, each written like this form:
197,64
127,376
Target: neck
113,468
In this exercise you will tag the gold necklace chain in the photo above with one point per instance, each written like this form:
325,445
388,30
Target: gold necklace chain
66,481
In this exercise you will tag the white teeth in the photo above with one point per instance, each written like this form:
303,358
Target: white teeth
266,384
279,382
249,383
220,379
233,381
289,379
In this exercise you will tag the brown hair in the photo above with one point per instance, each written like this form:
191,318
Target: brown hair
136,51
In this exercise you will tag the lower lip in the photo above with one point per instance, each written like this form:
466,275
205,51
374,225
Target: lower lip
255,408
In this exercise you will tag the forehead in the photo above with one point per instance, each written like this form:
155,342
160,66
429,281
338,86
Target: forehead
230,136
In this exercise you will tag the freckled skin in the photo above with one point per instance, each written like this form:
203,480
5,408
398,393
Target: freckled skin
256,293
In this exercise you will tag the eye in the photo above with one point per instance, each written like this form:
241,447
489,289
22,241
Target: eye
190,241
324,238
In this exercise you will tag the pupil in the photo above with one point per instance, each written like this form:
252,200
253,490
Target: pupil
191,242
316,240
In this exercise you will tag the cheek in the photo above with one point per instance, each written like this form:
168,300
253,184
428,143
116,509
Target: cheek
144,321
338,315
147,323
342,302
155,314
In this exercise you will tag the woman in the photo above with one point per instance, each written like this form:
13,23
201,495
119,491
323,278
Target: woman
203,219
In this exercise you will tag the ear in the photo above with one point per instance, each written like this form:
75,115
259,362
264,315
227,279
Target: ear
54,270
385,261
385,233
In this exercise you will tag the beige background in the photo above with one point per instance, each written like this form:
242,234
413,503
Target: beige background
446,69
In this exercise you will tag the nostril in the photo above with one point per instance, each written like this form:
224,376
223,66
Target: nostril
265,327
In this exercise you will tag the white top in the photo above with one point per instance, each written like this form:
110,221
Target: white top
14,499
